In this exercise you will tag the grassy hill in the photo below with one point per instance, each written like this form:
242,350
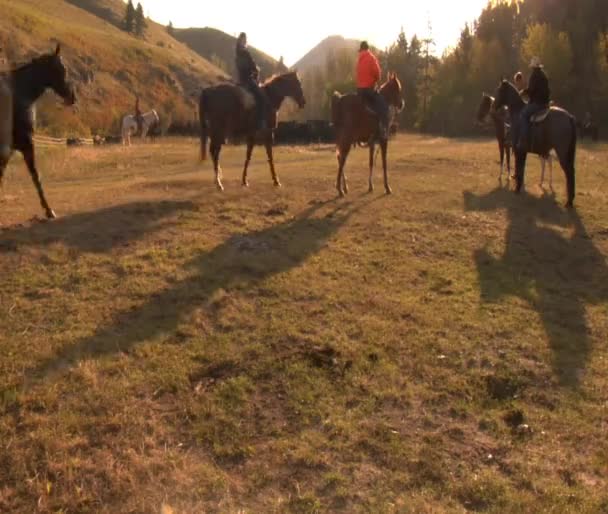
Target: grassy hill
318,55
218,47
108,66
441,350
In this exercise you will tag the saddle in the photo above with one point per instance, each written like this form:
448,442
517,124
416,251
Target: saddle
541,116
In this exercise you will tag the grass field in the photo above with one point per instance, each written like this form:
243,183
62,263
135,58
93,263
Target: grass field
167,346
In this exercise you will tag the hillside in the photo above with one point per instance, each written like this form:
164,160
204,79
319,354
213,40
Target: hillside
108,66
218,47
318,55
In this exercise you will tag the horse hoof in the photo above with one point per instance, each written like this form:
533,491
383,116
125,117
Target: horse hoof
50,214
245,184
371,189
389,191
340,193
277,184
570,204
220,188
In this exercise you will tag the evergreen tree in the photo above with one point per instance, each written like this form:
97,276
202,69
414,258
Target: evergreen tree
170,29
130,17
140,20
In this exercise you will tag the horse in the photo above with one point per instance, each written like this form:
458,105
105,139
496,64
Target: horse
27,84
355,123
553,129
227,110
502,126
129,126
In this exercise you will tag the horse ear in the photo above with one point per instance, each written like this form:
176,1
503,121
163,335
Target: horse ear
58,49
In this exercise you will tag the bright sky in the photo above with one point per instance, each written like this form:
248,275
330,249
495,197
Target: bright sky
291,29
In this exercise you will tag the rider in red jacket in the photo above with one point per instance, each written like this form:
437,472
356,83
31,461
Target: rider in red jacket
368,76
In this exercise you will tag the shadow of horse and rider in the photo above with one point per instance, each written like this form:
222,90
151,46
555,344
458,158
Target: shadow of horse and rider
243,260
558,276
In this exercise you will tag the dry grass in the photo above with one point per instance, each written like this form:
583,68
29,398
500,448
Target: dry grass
262,350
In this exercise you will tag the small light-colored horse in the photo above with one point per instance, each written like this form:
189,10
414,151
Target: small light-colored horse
6,120
129,126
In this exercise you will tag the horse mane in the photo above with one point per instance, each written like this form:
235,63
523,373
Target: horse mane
388,82
273,78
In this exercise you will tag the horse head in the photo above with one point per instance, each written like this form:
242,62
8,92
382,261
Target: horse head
506,95
288,85
486,105
392,92
54,74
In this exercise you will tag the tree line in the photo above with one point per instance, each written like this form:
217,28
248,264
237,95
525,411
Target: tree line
442,94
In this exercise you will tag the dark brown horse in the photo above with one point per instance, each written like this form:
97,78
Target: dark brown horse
500,120
27,84
354,123
502,127
227,110
553,130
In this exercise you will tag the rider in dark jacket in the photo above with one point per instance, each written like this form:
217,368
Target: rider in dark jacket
248,76
539,98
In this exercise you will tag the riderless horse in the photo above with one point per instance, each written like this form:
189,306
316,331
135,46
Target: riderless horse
129,126
502,127
27,84
355,123
228,110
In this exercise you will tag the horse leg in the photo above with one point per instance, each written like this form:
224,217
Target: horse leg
567,163
372,146
343,151
250,145
384,149
520,170
215,150
501,151
28,155
543,163
273,172
550,164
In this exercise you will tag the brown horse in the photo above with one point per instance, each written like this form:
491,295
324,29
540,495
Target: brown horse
502,126
500,120
554,129
354,123
228,110
27,84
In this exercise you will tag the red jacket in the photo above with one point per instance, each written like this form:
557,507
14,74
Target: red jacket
368,70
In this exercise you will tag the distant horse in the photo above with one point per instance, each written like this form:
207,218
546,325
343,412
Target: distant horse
129,126
28,83
227,110
554,129
502,127
355,123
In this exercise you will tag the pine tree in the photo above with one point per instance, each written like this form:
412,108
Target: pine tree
140,21
170,29
130,17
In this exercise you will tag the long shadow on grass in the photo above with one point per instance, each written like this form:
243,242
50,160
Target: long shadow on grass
242,260
556,275
97,231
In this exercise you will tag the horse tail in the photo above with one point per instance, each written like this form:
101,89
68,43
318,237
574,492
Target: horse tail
203,121
336,111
